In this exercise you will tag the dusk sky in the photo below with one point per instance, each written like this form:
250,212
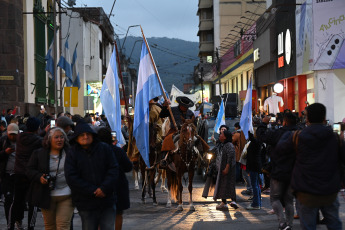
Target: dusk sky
158,18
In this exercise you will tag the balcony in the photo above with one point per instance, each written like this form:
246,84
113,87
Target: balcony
205,4
206,24
206,46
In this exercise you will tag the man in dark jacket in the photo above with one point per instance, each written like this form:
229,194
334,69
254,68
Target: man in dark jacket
92,172
282,161
316,177
27,142
7,159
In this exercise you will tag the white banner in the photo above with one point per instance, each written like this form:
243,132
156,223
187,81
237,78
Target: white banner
175,92
329,34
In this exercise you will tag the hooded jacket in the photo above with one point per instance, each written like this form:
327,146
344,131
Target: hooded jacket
27,143
316,169
89,169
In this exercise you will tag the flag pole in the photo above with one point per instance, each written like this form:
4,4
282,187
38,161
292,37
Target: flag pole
121,78
159,80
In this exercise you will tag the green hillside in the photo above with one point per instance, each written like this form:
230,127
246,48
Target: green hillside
175,59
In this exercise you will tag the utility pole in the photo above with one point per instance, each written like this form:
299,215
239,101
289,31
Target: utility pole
55,59
219,73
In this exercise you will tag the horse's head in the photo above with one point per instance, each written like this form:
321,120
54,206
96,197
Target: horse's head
188,130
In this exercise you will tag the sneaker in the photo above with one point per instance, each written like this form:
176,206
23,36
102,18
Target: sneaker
221,206
284,227
267,191
18,225
253,207
234,205
271,212
247,192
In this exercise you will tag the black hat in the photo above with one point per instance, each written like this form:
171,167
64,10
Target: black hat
185,101
82,127
32,124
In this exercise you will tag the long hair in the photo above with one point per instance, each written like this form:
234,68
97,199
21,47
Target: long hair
48,138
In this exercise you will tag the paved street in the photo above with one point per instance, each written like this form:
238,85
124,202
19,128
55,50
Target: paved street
147,216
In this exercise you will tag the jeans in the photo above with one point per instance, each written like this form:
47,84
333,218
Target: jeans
254,179
281,191
246,179
104,218
308,216
238,172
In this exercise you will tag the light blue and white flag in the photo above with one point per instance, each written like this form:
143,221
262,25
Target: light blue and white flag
148,87
50,68
247,116
110,98
75,72
220,118
65,64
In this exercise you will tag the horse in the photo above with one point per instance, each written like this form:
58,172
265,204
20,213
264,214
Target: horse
183,160
148,174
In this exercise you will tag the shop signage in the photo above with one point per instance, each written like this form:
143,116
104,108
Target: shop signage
6,78
256,54
287,44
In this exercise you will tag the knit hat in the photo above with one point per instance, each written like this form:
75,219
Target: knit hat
63,122
12,128
32,124
82,127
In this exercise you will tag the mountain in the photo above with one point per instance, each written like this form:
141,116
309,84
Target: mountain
175,58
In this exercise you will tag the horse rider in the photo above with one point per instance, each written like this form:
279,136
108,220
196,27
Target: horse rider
182,110
155,121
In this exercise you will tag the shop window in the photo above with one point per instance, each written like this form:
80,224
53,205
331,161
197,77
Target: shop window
310,89
296,95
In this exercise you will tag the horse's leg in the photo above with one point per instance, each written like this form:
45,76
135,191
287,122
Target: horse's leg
164,176
168,205
158,176
153,185
144,182
136,179
190,189
179,192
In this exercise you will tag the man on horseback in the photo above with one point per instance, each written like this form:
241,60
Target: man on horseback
182,110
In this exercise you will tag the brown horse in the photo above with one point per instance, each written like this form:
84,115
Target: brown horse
148,174
183,160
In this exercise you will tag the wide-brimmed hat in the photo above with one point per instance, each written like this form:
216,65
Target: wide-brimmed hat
185,101
82,127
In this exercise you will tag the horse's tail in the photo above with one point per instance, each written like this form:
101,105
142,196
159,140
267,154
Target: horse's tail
173,185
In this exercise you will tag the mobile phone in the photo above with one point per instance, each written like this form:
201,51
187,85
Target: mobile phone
273,119
337,128
42,107
113,135
52,123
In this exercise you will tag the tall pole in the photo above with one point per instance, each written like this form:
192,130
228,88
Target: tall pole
202,89
159,80
219,73
121,78
55,57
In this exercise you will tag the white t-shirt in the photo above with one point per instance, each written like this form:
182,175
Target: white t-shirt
272,103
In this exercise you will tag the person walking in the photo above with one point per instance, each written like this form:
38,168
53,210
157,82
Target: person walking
92,172
7,159
49,190
122,188
316,176
26,143
226,167
254,165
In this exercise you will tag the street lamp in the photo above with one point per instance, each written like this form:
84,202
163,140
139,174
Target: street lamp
123,44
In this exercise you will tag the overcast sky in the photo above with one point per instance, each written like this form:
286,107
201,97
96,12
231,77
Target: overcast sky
158,18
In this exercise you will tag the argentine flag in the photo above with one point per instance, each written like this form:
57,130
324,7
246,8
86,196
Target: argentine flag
110,98
246,117
75,72
148,87
220,118
50,68
65,64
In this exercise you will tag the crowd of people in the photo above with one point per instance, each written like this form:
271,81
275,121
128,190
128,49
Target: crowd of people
61,166
77,166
